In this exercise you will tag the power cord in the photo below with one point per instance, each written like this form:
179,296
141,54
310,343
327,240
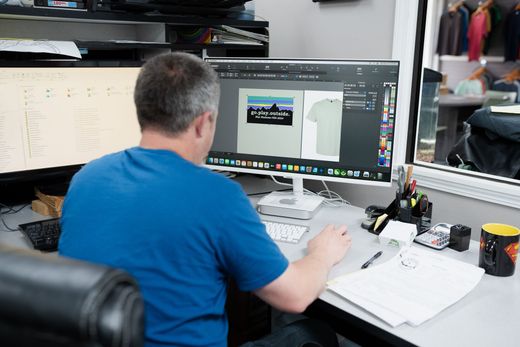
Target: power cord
10,210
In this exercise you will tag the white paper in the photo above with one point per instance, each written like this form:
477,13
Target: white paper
67,48
416,285
386,315
513,109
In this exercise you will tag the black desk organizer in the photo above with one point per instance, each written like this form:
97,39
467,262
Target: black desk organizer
423,221
409,215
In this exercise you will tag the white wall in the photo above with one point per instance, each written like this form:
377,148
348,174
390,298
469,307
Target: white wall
362,29
338,29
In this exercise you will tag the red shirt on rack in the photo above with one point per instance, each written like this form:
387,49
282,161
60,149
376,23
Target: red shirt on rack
477,31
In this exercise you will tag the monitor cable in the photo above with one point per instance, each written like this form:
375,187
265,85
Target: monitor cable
10,210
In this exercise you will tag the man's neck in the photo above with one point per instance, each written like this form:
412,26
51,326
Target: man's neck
180,144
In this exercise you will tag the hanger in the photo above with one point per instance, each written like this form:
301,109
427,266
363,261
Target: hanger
479,71
484,5
512,75
455,7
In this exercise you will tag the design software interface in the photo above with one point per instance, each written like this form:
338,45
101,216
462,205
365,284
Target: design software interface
321,118
54,117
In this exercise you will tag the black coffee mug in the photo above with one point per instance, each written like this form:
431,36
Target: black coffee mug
498,249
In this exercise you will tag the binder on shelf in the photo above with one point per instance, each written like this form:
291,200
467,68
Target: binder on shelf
58,4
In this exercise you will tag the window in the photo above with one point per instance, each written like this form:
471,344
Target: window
437,140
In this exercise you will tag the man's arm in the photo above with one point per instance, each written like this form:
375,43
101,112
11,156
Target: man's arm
304,280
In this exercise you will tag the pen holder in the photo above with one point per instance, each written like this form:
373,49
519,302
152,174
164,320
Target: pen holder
408,214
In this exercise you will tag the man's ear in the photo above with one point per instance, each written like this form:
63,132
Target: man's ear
201,123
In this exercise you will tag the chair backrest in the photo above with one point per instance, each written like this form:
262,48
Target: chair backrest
47,300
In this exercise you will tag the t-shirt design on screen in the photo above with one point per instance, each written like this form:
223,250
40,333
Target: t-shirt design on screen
269,135
270,109
322,125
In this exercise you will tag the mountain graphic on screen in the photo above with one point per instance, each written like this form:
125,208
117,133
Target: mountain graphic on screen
274,108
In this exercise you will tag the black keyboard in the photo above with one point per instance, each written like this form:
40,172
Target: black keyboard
43,234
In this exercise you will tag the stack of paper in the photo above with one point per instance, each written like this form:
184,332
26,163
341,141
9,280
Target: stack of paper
68,48
410,288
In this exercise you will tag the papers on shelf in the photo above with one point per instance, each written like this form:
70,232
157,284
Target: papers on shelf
227,34
245,33
513,109
412,287
67,48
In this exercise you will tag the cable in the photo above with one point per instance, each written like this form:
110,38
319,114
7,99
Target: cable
280,183
10,210
5,225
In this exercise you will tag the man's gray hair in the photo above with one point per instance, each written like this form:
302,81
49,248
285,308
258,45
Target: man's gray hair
172,90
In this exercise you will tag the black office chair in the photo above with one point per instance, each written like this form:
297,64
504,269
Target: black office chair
46,300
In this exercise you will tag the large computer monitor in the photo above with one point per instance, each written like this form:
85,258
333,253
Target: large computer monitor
329,120
55,118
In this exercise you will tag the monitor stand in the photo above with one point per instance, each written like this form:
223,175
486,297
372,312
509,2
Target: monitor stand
293,205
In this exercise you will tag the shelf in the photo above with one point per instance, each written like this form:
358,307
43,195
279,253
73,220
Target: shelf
109,45
451,100
26,13
464,58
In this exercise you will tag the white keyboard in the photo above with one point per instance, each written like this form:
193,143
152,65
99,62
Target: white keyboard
285,232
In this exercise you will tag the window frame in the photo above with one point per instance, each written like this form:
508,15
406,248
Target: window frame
411,17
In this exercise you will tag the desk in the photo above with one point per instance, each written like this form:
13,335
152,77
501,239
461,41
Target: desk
488,316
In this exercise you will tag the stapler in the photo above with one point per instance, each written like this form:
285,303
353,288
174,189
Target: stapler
372,212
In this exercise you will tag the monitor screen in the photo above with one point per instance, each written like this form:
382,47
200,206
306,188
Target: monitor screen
318,119
58,117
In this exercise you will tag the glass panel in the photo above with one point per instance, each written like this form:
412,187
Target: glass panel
456,126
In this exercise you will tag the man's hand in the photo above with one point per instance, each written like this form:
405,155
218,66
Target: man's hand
304,280
330,245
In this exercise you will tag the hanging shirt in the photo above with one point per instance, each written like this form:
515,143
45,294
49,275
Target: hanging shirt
464,29
512,36
449,33
327,115
495,17
476,33
470,88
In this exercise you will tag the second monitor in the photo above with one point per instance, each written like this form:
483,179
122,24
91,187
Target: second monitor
318,119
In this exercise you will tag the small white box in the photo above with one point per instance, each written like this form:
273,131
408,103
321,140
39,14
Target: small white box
398,234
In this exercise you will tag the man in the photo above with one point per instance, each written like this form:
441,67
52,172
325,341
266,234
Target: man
180,229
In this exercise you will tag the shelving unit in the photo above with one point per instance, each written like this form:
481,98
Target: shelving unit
30,13
53,19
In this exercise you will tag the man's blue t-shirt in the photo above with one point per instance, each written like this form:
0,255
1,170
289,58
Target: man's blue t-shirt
179,229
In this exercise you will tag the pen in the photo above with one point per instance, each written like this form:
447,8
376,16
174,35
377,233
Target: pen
371,260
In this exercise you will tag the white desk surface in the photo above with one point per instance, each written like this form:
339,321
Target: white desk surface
488,316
